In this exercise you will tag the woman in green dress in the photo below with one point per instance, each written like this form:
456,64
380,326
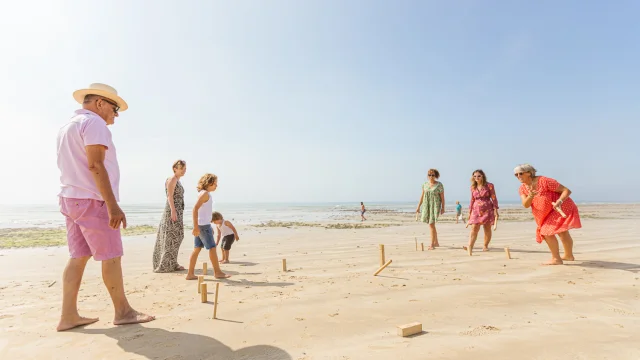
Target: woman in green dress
432,204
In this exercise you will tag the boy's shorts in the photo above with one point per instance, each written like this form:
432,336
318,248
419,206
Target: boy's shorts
88,230
205,239
227,241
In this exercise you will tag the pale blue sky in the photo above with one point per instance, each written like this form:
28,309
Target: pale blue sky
329,100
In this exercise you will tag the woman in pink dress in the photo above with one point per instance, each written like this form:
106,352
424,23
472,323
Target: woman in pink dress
554,212
483,209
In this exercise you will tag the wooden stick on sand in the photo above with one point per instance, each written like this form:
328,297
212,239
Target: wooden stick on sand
382,268
215,305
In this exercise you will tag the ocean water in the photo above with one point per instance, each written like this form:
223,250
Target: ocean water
48,216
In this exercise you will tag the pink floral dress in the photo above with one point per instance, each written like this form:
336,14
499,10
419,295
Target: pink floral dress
549,221
483,205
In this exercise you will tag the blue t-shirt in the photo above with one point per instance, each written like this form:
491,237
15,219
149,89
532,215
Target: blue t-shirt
458,208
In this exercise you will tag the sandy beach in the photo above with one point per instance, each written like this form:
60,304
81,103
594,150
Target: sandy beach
328,305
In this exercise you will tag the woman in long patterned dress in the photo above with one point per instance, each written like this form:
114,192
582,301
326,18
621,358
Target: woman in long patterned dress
555,213
171,229
431,204
483,209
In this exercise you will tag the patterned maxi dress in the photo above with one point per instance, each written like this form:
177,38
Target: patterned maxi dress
549,221
170,234
483,205
431,202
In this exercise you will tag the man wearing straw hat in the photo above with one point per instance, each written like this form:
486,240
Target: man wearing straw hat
89,195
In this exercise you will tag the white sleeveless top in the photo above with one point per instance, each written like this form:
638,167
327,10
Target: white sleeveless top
224,229
205,211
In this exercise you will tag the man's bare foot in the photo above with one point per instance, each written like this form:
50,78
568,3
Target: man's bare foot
133,317
224,261
437,244
485,249
66,324
464,247
221,276
179,268
431,248
553,262
191,277
568,258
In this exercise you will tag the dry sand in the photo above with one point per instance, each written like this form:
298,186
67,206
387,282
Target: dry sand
329,306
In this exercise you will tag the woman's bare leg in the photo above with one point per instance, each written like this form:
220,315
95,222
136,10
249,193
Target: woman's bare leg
554,247
567,244
487,236
434,236
473,235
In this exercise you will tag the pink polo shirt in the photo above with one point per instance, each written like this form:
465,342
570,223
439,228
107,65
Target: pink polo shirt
76,181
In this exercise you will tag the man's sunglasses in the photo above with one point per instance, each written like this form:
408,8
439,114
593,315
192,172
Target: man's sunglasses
116,107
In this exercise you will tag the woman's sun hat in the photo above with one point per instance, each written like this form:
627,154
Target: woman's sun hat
101,90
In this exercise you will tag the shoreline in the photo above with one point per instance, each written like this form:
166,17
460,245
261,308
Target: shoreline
37,237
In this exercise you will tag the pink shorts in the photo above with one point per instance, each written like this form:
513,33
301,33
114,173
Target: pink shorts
88,231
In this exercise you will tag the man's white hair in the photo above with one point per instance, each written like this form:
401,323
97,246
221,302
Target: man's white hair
525,168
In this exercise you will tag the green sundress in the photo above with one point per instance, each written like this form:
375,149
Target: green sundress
431,203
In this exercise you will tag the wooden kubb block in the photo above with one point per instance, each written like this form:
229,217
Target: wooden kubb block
203,292
409,329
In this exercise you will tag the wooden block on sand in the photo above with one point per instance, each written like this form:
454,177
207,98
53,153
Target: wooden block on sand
381,254
410,329
284,265
204,268
200,280
203,292
506,250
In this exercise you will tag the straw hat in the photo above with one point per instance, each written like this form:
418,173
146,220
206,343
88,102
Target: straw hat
102,90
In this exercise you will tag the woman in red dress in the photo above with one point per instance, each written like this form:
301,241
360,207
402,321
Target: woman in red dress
554,212
483,209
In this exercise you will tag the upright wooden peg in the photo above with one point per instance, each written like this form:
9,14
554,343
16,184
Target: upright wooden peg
381,254
284,265
203,292
422,245
506,250
215,305
204,268
416,239
200,280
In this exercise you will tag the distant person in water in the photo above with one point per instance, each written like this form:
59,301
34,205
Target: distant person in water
362,211
202,230
171,229
483,209
549,201
458,211
431,204
227,232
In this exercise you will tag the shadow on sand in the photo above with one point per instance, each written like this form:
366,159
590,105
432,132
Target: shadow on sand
154,343
613,265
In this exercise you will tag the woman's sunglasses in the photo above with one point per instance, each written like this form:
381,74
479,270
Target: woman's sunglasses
519,174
